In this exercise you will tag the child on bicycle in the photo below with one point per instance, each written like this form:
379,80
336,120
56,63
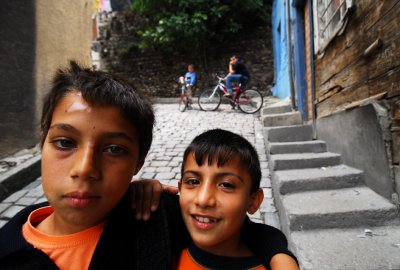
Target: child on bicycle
219,185
237,73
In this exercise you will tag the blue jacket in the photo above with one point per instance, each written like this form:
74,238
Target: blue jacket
191,78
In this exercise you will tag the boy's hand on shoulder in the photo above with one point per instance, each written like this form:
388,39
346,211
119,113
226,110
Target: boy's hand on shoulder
283,261
145,196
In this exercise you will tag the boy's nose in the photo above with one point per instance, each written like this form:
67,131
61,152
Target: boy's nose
85,165
206,196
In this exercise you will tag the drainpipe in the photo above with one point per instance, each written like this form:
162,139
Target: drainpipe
313,106
289,53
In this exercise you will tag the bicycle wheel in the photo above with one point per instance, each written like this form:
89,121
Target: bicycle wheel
183,103
209,101
250,101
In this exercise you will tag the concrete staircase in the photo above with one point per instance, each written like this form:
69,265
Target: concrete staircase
331,218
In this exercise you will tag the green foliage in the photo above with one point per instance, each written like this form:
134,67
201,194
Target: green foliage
190,25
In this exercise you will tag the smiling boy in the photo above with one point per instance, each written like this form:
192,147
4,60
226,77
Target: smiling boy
220,184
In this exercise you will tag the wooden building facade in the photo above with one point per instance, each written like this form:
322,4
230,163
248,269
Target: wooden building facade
352,77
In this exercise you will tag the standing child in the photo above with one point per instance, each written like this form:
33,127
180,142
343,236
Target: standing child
191,80
96,132
220,184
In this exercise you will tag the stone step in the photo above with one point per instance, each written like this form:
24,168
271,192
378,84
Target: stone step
301,161
276,109
348,248
337,208
335,177
287,133
297,147
282,119
270,100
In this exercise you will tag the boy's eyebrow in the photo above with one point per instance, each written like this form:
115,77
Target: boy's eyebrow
190,171
111,134
122,135
227,174
65,127
219,174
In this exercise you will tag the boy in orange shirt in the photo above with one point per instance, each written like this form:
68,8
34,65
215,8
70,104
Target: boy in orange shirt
96,132
219,185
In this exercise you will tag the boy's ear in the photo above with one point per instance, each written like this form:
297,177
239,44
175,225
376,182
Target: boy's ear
255,201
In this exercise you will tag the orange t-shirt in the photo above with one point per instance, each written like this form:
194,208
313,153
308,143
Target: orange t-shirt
73,251
193,261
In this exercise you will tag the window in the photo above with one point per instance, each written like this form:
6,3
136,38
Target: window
330,18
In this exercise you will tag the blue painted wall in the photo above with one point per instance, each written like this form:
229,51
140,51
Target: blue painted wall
281,88
299,59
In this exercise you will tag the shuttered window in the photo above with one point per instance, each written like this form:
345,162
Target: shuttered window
330,18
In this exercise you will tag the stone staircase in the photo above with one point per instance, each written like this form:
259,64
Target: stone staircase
331,218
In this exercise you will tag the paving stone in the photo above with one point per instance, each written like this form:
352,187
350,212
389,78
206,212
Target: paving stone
165,182
149,170
265,182
163,169
36,192
179,159
257,220
174,163
176,170
267,193
268,206
34,184
263,165
159,163
2,222
25,201
4,206
15,196
173,183
272,219
165,176
257,215
12,210
148,175
43,199
163,158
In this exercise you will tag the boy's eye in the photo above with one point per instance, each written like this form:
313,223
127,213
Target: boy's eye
192,182
115,150
63,144
227,185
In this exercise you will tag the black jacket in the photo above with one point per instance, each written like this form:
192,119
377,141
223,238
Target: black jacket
130,244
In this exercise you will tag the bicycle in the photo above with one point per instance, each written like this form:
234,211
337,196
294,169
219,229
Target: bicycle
183,98
248,101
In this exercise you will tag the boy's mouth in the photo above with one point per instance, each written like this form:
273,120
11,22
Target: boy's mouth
79,199
205,219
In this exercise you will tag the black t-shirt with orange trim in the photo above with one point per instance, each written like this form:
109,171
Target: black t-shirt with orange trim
194,258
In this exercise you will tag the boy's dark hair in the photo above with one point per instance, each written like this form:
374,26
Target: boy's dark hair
218,145
101,88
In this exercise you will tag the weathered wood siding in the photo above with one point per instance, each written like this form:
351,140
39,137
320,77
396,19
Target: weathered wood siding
344,76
